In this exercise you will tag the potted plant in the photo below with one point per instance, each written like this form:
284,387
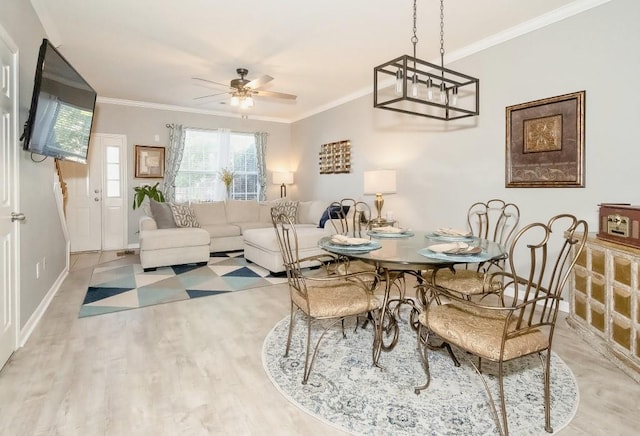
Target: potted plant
226,176
141,192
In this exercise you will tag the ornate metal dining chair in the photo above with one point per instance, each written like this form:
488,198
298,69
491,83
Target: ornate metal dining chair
525,326
494,220
324,298
350,217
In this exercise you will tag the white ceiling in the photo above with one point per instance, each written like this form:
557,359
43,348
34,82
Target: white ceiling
324,51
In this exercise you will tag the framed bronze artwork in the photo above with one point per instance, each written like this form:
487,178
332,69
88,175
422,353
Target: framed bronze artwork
149,161
545,143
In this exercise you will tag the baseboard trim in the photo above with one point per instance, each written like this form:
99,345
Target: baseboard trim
34,319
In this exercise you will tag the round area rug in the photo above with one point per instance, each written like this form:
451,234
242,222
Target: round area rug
346,391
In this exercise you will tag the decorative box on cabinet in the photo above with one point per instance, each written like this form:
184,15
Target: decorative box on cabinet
605,302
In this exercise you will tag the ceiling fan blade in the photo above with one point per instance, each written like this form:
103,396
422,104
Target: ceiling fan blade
209,95
260,81
275,95
211,81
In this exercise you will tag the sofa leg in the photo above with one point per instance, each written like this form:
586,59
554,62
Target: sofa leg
202,263
149,269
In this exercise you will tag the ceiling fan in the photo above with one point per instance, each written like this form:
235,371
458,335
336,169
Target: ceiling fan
243,90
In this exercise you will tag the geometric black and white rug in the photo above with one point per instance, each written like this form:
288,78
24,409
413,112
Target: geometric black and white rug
115,287
346,391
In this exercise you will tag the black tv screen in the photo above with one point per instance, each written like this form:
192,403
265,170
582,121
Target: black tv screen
62,108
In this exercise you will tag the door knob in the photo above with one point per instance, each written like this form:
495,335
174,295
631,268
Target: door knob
97,191
96,199
17,216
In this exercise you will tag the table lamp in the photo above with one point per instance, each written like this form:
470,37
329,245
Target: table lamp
283,178
379,182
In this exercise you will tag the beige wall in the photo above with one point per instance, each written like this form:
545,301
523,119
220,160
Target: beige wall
443,168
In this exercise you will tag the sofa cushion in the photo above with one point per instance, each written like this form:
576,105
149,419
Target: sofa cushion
242,211
183,215
265,210
309,212
210,212
163,215
266,239
222,230
254,225
171,238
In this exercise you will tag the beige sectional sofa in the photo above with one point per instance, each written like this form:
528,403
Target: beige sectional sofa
225,226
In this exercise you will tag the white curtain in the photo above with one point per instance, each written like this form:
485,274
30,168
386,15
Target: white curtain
174,157
261,155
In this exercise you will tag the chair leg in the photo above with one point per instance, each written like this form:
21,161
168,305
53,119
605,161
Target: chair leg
307,364
503,405
291,319
547,393
424,357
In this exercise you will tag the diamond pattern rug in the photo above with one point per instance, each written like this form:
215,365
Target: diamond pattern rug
115,287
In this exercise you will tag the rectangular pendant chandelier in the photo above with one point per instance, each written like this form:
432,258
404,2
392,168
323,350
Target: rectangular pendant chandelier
437,92
412,86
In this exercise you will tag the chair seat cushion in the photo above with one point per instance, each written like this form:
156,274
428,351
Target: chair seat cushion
480,331
335,298
463,281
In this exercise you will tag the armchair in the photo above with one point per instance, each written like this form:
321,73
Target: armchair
326,298
502,333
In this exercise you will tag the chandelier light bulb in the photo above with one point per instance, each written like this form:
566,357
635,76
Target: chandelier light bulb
454,96
429,89
443,93
399,81
414,86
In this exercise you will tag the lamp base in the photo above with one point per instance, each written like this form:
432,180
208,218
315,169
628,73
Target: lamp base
283,190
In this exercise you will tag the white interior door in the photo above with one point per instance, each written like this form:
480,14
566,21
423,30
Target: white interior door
96,214
84,208
9,228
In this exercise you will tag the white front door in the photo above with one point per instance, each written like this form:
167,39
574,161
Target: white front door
9,228
114,209
96,216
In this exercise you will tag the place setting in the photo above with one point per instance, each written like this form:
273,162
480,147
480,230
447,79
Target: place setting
390,232
450,234
457,251
350,244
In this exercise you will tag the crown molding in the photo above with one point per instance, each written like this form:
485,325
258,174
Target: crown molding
539,22
174,108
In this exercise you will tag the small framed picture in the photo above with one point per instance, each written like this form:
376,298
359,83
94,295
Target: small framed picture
545,143
149,162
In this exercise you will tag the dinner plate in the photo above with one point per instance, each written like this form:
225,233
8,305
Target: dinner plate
350,242
456,233
437,237
405,234
372,245
388,230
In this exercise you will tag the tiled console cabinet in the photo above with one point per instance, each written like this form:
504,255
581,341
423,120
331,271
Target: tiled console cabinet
605,302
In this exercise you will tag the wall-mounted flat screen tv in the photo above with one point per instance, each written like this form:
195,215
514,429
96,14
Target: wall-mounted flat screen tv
62,108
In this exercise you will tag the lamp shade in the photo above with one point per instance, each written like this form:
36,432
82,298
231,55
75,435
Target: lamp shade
283,178
380,182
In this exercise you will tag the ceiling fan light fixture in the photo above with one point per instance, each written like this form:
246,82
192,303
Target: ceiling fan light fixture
235,100
393,79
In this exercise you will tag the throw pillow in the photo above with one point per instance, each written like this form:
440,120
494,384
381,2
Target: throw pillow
184,216
332,212
161,212
289,208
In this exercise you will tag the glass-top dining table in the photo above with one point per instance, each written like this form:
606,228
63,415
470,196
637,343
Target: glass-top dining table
412,252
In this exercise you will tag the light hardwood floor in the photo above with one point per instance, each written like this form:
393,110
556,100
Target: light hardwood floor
194,368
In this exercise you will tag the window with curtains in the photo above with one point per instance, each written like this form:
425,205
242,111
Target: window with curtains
206,153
